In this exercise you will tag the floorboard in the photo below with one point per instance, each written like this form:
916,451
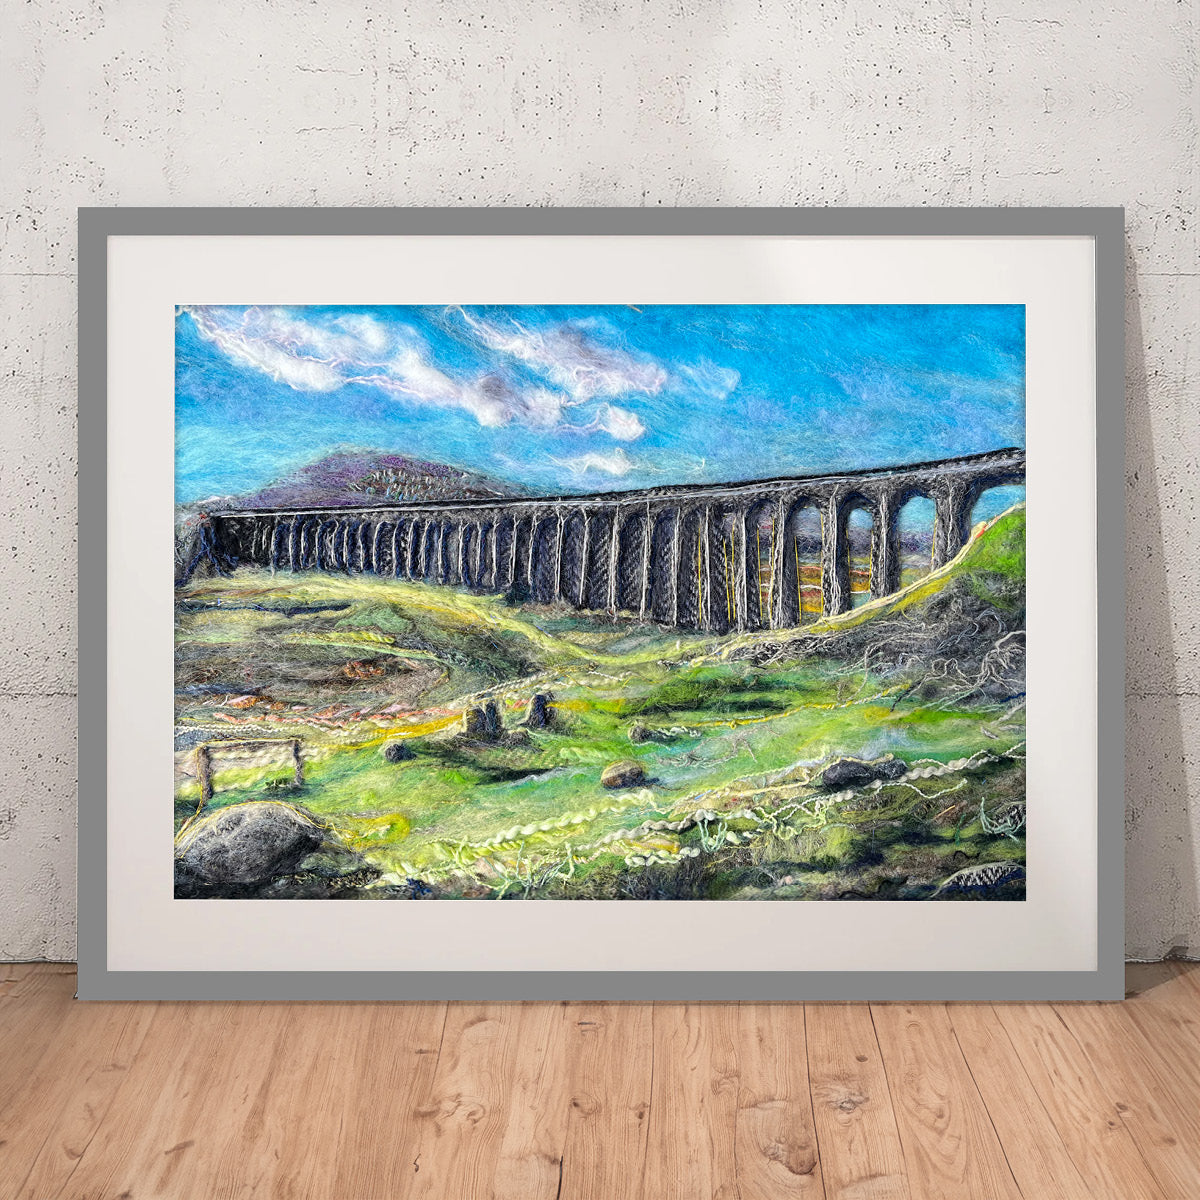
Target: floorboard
75,1085
168,1101
609,1067
775,1137
461,1119
859,1144
693,1106
1039,1160
951,1148
529,1165
387,1066
1159,1109
1079,1102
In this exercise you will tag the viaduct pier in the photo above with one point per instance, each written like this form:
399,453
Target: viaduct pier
690,556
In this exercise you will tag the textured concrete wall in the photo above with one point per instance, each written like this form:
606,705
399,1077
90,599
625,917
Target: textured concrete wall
686,102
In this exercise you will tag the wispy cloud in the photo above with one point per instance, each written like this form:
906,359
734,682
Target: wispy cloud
323,355
619,423
569,358
290,351
615,462
709,378
622,424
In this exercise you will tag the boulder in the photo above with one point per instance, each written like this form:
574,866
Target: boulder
398,751
639,732
482,723
857,772
626,773
539,714
246,845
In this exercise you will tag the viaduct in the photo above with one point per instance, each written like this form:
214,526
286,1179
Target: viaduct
716,557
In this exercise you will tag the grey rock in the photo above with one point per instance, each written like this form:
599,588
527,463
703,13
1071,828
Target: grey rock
482,723
639,732
626,773
246,845
540,713
398,751
856,772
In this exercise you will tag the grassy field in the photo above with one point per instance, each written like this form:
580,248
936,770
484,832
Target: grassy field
731,803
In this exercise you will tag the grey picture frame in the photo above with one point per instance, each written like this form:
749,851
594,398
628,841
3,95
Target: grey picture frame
98,982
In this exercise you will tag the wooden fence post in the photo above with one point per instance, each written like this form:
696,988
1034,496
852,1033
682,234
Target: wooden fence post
204,773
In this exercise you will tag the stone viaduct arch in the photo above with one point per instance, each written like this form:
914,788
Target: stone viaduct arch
690,556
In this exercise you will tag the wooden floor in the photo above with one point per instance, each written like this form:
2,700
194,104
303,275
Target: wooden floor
472,1101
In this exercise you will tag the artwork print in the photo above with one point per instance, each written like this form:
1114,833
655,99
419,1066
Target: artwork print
600,602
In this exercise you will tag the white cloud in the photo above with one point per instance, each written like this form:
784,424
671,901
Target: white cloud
269,341
488,399
313,356
544,407
709,378
324,354
620,423
371,333
615,462
569,358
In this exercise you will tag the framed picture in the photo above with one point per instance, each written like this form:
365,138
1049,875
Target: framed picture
612,604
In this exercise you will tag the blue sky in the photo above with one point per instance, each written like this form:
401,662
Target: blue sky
589,398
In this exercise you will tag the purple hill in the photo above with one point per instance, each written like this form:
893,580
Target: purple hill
347,477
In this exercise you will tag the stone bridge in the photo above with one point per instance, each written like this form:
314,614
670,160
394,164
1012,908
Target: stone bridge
696,556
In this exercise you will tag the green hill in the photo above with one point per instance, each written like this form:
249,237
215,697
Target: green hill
731,733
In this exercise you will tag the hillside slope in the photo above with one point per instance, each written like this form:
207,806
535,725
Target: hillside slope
987,574
354,476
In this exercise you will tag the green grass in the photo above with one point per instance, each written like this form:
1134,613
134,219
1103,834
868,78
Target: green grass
720,731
